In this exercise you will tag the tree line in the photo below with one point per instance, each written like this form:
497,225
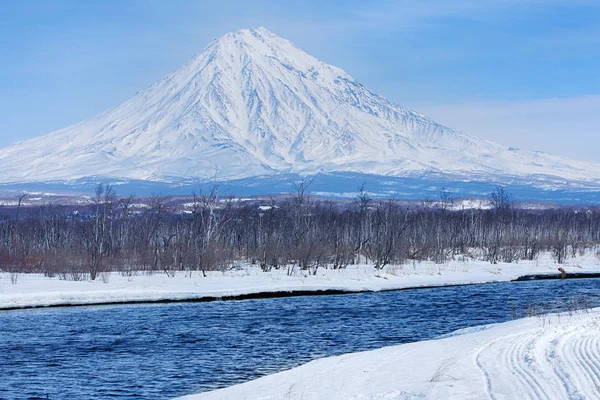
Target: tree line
299,232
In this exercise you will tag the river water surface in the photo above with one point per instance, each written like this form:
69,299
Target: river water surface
161,351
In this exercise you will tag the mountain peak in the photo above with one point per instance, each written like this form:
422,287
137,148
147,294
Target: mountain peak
259,42
260,33
253,104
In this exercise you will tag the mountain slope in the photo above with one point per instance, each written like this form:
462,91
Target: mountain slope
253,104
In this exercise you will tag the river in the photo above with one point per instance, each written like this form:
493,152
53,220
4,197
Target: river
159,351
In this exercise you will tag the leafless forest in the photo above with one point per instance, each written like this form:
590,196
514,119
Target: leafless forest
298,232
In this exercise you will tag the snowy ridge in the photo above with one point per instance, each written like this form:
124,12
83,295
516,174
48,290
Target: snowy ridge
253,104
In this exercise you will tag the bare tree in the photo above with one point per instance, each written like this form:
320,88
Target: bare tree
363,201
300,232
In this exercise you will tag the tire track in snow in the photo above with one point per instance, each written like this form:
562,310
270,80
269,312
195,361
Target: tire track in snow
550,364
590,368
524,363
594,354
559,373
505,365
565,366
486,375
574,355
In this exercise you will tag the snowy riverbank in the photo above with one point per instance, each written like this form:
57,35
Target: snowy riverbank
39,291
550,357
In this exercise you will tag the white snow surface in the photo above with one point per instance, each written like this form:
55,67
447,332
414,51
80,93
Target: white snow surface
253,104
35,290
551,357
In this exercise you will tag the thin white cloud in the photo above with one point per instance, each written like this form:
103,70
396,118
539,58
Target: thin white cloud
565,126
398,11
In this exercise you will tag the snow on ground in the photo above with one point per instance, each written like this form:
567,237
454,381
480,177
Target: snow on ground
550,357
37,290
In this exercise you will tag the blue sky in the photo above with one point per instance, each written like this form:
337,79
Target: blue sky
524,73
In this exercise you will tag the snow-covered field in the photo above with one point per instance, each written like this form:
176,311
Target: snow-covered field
38,291
550,357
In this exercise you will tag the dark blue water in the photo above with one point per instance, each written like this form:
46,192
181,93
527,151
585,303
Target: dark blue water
162,351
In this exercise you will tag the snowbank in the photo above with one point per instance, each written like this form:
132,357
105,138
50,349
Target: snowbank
39,291
551,357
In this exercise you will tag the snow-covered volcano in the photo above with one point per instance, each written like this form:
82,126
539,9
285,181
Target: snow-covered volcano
254,104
